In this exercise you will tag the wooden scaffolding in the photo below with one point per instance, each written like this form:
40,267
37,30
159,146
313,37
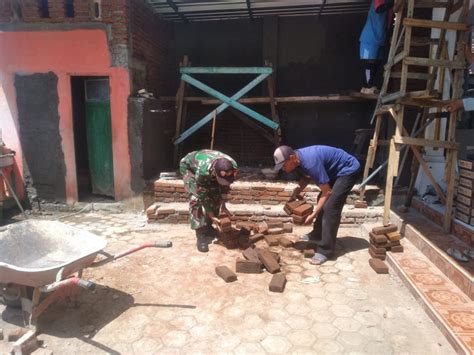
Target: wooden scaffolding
437,69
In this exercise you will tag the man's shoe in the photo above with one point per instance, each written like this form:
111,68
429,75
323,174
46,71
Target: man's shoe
201,242
211,232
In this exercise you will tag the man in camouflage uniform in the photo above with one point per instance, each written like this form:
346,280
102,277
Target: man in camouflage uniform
207,174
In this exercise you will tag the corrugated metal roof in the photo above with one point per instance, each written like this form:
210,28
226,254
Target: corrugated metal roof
207,10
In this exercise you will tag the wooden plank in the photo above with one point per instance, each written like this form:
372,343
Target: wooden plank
399,57
430,4
426,62
179,110
413,76
393,96
426,142
392,158
456,26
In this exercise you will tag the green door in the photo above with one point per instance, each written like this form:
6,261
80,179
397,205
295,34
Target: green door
99,136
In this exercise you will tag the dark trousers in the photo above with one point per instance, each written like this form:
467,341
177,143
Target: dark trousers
327,223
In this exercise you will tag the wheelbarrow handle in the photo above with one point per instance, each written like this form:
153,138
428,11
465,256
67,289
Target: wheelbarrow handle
163,244
69,282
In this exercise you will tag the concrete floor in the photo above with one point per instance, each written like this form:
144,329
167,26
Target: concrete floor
171,301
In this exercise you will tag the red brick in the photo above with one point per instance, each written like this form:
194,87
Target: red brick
303,210
268,260
256,237
397,249
384,229
378,239
251,254
290,206
376,256
299,219
285,242
248,266
226,274
379,266
165,211
261,227
360,204
278,283
377,250
393,236
288,227
274,231
271,240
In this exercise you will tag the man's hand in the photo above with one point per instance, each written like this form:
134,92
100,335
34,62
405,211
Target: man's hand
215,221
310,218
455,105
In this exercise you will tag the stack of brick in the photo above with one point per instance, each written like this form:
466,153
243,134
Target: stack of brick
157,213
465,196
383,239
299,210
240,192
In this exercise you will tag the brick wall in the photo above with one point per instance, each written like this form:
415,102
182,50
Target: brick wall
153,64
113,12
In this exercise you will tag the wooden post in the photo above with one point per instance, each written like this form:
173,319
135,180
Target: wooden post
213,128
179,108
271,94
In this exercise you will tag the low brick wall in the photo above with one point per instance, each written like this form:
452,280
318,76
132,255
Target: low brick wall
240,192
178,213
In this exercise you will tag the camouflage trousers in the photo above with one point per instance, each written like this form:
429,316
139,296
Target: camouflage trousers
202,199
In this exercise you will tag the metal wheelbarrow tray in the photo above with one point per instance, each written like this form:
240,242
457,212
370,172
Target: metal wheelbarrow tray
35,252
43,256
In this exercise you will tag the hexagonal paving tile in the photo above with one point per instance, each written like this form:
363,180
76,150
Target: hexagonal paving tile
347,324
302,338
299,322
342,310
373,333
331,278
368,318
253,321
276,328
332,287
343,266
314,291
249,348
323,316
295,296
184,322
147,345
276,344
328,270
276,314
318,303
338,298
298,309
350,339
175,338
324,330
356,294
226,342
328,347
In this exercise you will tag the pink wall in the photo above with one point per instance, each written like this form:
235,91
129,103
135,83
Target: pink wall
66,53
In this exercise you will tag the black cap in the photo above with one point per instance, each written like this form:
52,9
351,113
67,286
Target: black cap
223,165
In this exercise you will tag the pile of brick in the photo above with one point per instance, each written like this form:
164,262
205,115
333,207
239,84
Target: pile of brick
465,197
299,210
255,259
383,239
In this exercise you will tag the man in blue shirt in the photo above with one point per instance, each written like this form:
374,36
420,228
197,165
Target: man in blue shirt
335,172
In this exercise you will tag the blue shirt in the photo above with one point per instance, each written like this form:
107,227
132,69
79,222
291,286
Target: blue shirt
375,29
468,104
324,164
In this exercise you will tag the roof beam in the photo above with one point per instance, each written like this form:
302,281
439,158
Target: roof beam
176,10
249,9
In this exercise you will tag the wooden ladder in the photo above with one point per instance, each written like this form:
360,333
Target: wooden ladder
436,65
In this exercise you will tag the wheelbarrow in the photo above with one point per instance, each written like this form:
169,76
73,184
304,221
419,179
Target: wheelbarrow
39,260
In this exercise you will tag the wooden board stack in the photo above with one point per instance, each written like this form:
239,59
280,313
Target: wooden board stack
465,196
299,210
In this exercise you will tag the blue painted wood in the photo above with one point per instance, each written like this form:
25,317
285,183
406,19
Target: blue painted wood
225,70
183,136
231,102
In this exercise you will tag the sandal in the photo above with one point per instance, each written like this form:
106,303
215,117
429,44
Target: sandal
469,253
318,259
456,254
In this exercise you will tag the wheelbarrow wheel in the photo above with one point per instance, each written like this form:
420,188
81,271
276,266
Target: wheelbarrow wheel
12,293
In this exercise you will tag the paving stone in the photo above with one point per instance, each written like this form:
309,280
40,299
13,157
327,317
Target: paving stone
328,270
347,324
350,339
249,348
298,309
330,278
147,345
341,310
328,347
356,294
333,287
302,338
324,331
175,338
184,322
276,344
253,321
299,322
277,327
368,318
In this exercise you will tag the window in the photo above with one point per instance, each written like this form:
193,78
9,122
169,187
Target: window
43,8
96,10
69,8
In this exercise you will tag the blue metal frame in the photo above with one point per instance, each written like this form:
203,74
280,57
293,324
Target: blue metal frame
225,70
227,101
